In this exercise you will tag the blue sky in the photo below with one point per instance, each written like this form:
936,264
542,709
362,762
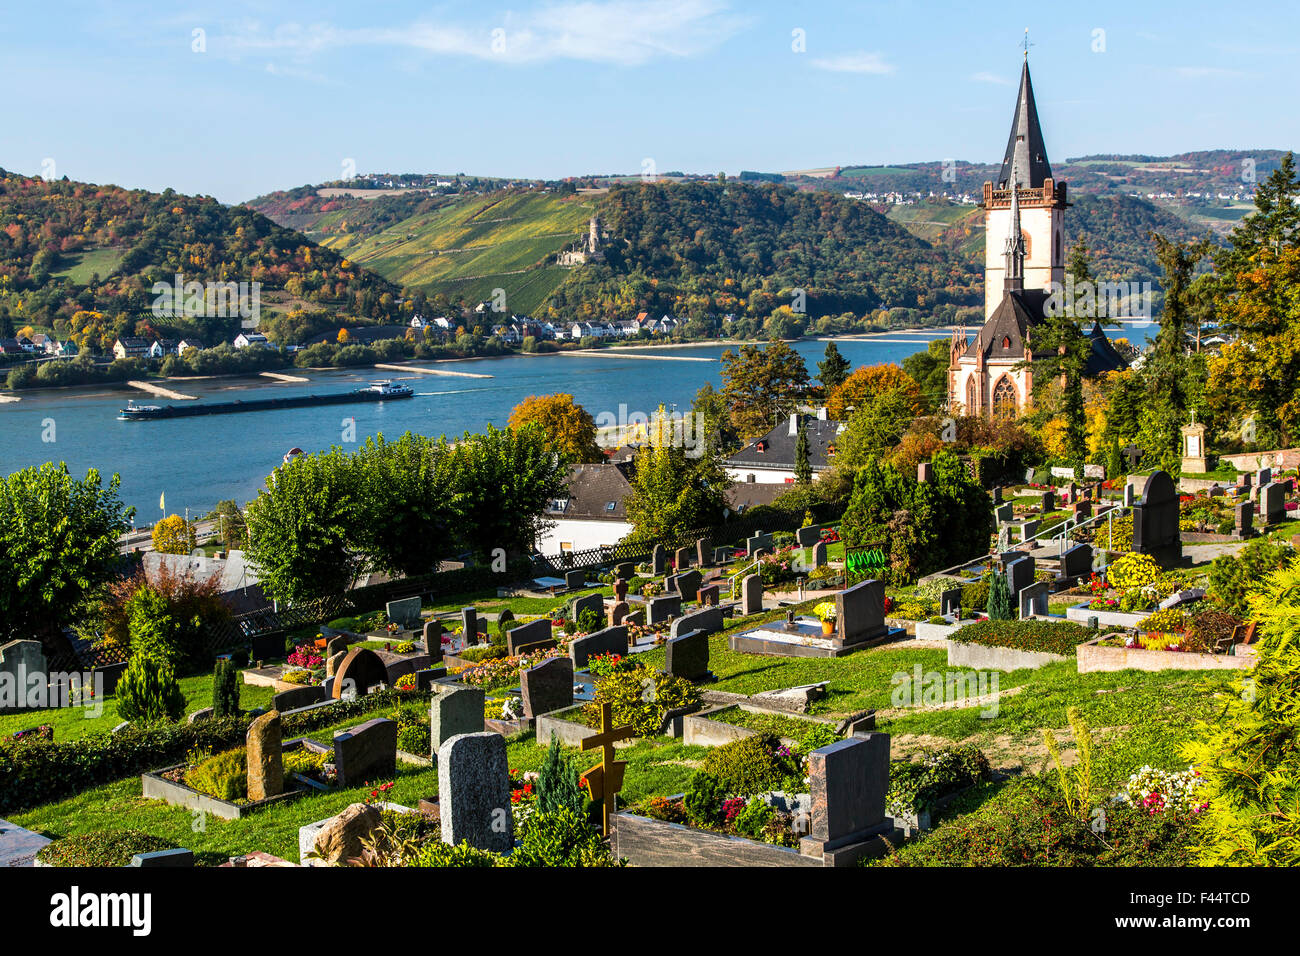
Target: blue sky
285,93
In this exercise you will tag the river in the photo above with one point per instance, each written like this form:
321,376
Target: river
197,462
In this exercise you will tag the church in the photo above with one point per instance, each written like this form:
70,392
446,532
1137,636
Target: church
1024,252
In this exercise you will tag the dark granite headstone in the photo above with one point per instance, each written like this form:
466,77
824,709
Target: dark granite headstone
593,602
366,752
474,792
611,640
819,555
468,625
687,655
1243,520
663,607
1076,563
1155,522
848,782
360,670
1033,599
709,595
433,640
682,559
1047,502
687,584
625,570
997,495
1004,513
708,620
1272,499
298,697
575,580
1020,574
405,613
807,537
861,613
547,686
525,634
658,561
950,603
758,542
703,552
452,711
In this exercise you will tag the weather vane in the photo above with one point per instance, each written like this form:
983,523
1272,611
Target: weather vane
1025,43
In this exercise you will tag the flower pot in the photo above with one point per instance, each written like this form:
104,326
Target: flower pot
828,628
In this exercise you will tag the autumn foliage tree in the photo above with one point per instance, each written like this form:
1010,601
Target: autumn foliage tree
569,428
870,381
761,385
174,535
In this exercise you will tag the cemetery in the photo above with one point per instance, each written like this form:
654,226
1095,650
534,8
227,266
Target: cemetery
765,704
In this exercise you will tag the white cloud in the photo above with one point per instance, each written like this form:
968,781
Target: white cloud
854,63
626,32
983,77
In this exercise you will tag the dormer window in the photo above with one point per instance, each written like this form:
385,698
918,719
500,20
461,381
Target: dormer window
761,446
1006,341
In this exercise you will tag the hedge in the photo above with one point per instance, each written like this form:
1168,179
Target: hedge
1053,637
33,772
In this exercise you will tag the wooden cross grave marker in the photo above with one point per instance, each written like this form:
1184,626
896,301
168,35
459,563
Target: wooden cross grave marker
605,780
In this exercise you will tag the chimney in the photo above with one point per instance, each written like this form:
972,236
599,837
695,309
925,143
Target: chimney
794,423
822,414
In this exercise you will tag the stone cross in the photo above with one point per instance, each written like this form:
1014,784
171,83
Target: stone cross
605,780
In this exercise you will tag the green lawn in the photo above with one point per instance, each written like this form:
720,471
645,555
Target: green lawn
73,723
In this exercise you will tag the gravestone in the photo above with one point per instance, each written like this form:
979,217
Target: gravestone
1155,522
661,608
1077,562
710,595
807,537
617,612
924,471
636,617
20,661
682,559
474,792
366,752
595,603
452,711
298,697
1020,574
687,656
848,782
861,613
751,594
1029,530
1246,481
337,643
658,561
1004,513
1272,499
625,569
469,626
360,670
1263,477
1047,502
950,603
707,620
1082,510
433,640
547,686
332,665
525,637
721,555
620,589
1033,599
819,555
997,495
1243,516
758,542
405,613
504,616
264,751
687,584
575,580
611,640
703,552
1129,496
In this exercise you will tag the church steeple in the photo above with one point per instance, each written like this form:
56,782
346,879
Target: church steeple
1014,277
1025,150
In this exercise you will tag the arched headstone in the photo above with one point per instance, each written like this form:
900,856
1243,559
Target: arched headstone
360,669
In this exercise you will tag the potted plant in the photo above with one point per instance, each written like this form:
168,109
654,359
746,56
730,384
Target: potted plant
827,612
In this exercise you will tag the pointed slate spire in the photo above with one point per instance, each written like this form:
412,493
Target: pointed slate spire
1025,149
1015,247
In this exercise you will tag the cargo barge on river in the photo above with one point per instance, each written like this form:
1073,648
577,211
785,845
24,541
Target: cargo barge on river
381,391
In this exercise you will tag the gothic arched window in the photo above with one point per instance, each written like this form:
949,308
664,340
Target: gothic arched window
970,395
1005,403
1057,247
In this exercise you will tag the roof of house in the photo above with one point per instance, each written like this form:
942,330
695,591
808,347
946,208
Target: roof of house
779,446
744,495
595,493
1025,148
